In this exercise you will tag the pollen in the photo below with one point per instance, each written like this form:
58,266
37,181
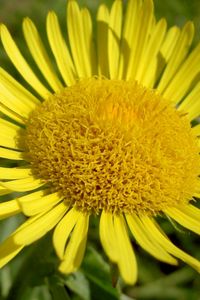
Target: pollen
114,145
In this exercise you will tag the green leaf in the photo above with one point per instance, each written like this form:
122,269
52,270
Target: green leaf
98,273
78,283
57,289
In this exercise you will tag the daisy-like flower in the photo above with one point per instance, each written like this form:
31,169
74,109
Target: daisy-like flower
109,131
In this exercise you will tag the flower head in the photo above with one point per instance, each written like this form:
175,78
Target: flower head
112,135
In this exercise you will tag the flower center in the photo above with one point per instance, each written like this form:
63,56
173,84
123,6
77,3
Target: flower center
114,145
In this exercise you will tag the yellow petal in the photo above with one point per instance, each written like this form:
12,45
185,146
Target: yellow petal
191,103
129,35
36,229
182,47
164,55
126,261
191,211
107,235
34,205
196,130
184,219
12,114
9,134
114,37
60,50
22,185
77,40
4,191
143,240
20,63
183,79
76,246
88,37
14,173
145,21
63,230
8,250
11,154
9,208
14,90
155,233
146,73
40,55
102,35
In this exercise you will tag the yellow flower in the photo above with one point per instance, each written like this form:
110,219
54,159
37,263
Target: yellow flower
109,134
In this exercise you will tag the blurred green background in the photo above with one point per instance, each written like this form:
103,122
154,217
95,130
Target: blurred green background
32,275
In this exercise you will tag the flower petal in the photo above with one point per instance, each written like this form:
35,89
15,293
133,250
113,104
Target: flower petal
20,63
129,35
145,21
145,73
63,230
102,35
141,236
181,50
77,43
114,37
8,250
11,154
155,233
60,50
14,173
37,202
127,261
76,246
9,208
37,227
40,55
184,219
23,185
107,235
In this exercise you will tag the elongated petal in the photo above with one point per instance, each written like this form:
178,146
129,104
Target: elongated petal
76,246
8,250
4,191
9,208
107,236
76,35
145,20
88,37
129,35
11,154
34,205
179,54
40,55
20,63
127,261
191,103
143,240
191,211
145,73
181,82
12,114
23,185
60,50
102,35
63,230
35,230
155,233
9,134
14,173
184,219
114,37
